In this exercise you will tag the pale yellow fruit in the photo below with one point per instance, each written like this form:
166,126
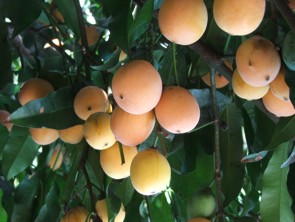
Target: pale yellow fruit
258,61
137,87
56,158
102,211
183,22
244,90
131,129
78,214
178,111
198,219
44,136
97,131
89,100
150,172
72,135
238,17
4,119
279,86
110,161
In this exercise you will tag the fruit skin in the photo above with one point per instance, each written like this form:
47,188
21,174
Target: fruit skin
238,17
258,61
183,22
72,135
89,100
178,111
32,89
288,50
78,214
44,136
3,118
279,87
55,158
202,204
277,106
97,131
130,129
102,211
92,35
150,172
198,219
137,87
246,91
110,161
291,4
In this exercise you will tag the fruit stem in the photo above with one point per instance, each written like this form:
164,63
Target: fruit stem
175,63
217,158
121,153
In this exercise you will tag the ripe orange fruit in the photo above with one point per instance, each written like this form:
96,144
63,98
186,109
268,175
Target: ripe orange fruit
4,118
44,136
89,100
150,172
183,22
78,214
130,129
278,106
137,87
97,131
238,17
92,35
34,89
258,61
102,211
279,87
55,160
110,161
291,4
244,90
198,219
72,135
178,111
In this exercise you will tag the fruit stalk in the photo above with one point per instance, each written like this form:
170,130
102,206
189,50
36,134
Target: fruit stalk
216,147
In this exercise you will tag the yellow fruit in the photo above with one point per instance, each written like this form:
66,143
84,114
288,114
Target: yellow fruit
238,17
110,161
137,87
44,136
89,100
72,135
198,219
258,61
78,214
97,131
55,160
150,172
4,119
131,129
178,111
278,106
279,87
244,90
34,89
183,22
102,211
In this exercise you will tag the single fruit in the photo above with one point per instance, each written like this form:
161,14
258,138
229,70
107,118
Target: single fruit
78,214
178,111
92,35
102,211
291,4
198,219
110,161
279,86
56,158
258,61
122,56
137,87
220,80
238,17
288,50
278,106
97,131
89,100
246,91
202,204
130,129
44,136
4,119
34,89
72,135
150,172
183,22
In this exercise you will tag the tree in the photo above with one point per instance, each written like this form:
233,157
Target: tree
240,152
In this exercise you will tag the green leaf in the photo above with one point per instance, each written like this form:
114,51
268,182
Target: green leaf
113,61
19,152
4,134
124,190
160,209
141,23
3,214
231,151
131,214
54,111
276,202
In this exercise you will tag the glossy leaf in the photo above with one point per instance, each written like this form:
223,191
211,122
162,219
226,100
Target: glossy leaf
3,214
276,202
254,157
124,190
160,209
290,160
3,137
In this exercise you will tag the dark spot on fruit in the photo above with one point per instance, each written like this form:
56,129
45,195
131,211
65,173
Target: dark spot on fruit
106,144
89,108
219,75
285,98
250,63
178,131
267,78
121,96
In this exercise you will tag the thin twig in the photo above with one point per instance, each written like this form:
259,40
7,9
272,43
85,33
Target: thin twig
175,63
286,12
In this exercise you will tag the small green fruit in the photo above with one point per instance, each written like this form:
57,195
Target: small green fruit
202,204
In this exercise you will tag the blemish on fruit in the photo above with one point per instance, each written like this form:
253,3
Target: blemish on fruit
121,96
89,108
267,78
